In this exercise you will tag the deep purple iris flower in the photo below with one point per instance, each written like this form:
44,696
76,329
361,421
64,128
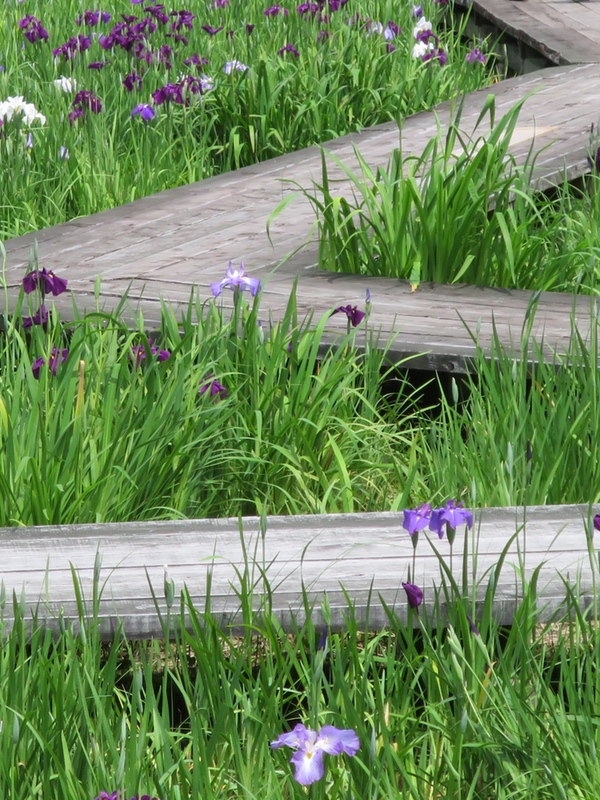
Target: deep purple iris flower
274,11
33,30
311,746
74,45
145,111
57,356
414,594
237,280
416,519
119,795
355,317
138,352
84,100
438,54
210,30
39,318
288,48
213,388
92,18
417,12
48,282
476,55
450,517
306,8
596,522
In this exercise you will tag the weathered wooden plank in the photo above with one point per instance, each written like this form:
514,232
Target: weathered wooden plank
367,555
562,31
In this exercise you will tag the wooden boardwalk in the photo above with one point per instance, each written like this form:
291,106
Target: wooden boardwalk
559,31
166,245
367,555
176,242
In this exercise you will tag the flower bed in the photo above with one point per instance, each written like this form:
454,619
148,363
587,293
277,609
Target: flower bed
100,107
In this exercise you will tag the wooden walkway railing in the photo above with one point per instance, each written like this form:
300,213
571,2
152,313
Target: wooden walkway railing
360,557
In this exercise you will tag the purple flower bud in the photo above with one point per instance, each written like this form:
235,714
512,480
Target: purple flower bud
414,595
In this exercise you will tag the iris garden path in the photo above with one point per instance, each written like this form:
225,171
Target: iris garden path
167,244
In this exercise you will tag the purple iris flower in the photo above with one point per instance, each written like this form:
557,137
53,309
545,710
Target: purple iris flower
288,48
476,55
237,280
76,44
145,111
417,12
133,81
195,60
33,30
213,388
97,64
417,518
39,318
310,747
597,522
440,55
210,30
249,28
138,352
92,18
58,356
274,11
85,100
48,282
391,30
355,317
450,517
119,795
414,594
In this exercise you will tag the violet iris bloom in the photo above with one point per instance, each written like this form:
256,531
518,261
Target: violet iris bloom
145,111
48,282
288,48
450,517
355,317
236,279
210,30
476,55
273,11
213,388
597,522
310,747
414,594
118,795
417,518
58,356
33,30
39,318
138,352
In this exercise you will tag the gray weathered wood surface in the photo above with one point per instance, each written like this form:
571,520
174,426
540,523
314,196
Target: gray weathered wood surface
165,245
367,555
562,31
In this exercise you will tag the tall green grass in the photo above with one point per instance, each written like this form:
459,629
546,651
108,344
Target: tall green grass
462,211
340,83
301,430
440,711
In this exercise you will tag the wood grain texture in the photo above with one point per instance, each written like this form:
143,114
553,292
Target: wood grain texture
170,244
361,557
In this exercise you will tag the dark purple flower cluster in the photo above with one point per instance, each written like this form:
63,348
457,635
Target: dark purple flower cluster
355,317
76,44
33,30
83,101
133,81
58,356
120,795
274,11
213,388
46,281
39,318
288,48
92,18
138,354
180,92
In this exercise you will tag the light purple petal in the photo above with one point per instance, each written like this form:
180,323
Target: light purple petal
309,767
295,738
338,740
